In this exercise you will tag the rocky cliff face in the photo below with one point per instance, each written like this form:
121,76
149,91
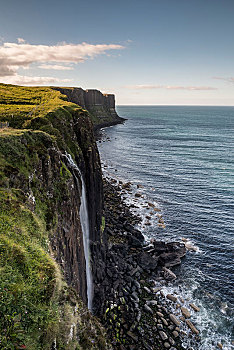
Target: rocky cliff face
100,106
40,197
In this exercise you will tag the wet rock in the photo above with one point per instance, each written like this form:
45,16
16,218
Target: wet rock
147,290
192,327
174,319
220,345
134,242
169,259
175,334
168,274
172,342
167,345
185,312
151,302
194,307
146,261
148,309
137,195
164,321
163,335
171,297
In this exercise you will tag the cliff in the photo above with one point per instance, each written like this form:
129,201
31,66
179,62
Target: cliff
49,168
100,106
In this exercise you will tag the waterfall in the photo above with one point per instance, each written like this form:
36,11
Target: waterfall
84,220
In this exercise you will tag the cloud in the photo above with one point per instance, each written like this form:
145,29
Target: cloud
190,88
27,80
142,87
228,79
14,56
55,67
168,87
20,41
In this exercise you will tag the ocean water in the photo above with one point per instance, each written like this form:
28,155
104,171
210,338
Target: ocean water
183,159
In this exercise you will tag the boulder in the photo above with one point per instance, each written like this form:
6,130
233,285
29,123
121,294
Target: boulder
185,312
146,261
134,242
168,274
192,327
194,307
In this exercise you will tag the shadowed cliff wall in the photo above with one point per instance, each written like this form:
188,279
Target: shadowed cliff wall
100,106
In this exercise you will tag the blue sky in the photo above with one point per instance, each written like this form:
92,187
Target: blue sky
146,52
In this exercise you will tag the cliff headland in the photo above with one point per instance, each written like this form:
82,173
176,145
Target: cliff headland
101,107
67,240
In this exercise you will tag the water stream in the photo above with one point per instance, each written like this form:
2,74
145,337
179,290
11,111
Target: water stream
84,220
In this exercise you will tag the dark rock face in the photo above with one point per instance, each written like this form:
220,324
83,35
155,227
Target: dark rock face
54,184
101,106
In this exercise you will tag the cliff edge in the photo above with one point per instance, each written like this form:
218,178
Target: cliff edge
101,107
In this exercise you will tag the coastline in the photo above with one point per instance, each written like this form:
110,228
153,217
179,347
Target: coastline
138,271
201,318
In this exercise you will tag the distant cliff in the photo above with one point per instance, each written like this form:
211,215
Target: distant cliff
100,106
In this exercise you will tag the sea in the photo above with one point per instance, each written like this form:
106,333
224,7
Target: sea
181,160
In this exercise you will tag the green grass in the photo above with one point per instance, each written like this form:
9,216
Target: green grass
19,104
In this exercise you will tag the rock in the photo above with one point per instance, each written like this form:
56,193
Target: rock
220,345
194,307
160,246
171,297
137,195
126,186
134,242
134,271
163,335
172,342
151,302
148,309
164,321
175,334
169,259
185,312
159,314
192,327
147,290
168,274
133,336
138,316
174,319
167,345
134,294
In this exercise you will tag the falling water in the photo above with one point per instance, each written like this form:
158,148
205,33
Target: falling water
84,220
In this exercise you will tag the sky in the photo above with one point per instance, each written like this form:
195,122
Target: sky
151,52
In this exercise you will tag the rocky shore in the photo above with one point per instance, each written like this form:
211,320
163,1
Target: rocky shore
136,313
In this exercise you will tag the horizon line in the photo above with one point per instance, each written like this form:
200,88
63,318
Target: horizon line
171,105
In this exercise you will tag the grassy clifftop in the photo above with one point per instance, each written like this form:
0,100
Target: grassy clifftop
37,307
19,105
